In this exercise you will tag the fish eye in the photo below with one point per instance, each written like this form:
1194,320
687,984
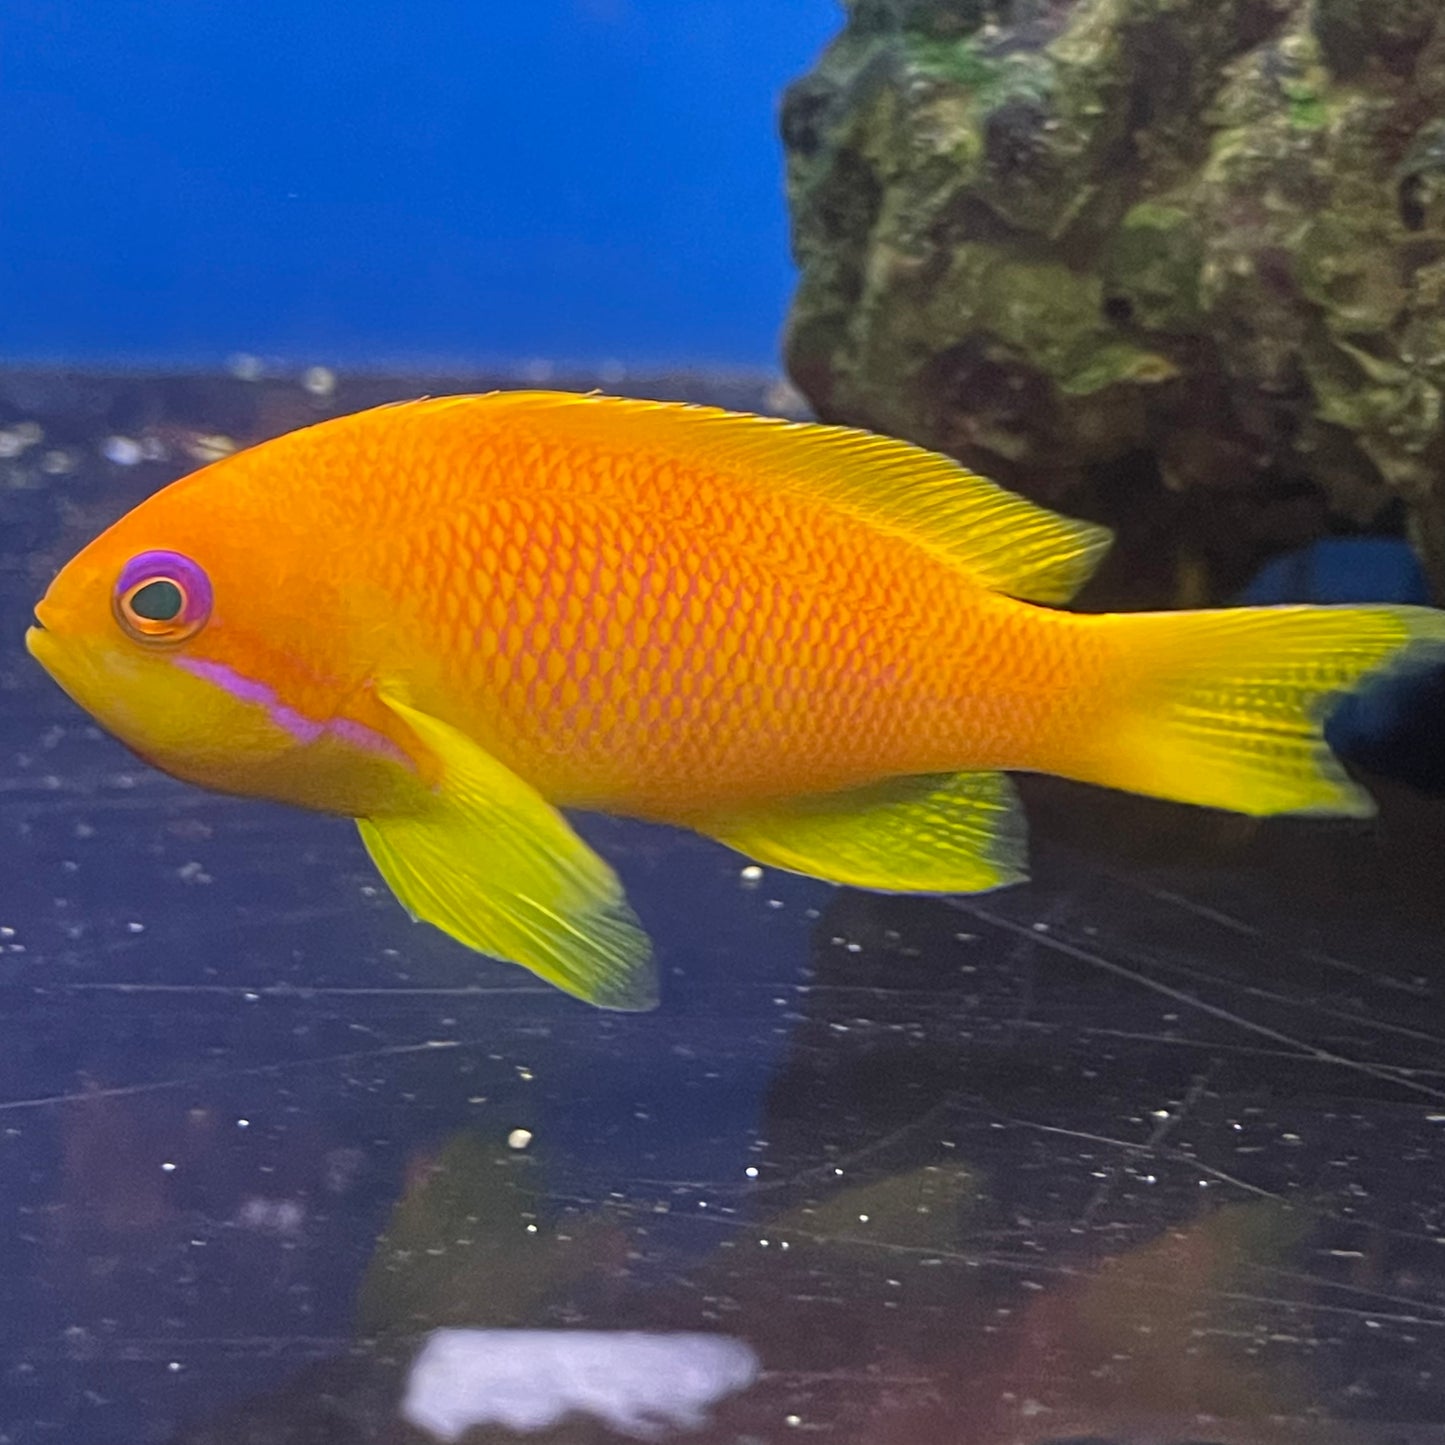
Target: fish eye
158,601
162,597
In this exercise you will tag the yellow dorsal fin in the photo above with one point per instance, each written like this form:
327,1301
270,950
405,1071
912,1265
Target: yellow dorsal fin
1008,544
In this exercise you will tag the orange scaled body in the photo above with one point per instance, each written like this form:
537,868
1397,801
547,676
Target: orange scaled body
641,630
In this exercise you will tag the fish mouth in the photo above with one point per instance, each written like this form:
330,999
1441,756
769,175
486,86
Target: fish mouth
38,641
70,664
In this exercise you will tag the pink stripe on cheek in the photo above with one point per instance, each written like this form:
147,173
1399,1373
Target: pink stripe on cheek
298,725
255,694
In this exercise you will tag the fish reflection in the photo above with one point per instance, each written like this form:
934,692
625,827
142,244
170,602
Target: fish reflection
913,1264
905,1276
895,1307
472,1243
1123,1348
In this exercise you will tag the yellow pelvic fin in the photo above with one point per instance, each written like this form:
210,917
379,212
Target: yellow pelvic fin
1227,708
1008,544
959,833
486,859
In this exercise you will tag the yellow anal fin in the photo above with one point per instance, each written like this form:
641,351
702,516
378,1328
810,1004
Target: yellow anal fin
488,860
956,833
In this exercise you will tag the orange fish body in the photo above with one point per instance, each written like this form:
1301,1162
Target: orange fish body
627,625
450,618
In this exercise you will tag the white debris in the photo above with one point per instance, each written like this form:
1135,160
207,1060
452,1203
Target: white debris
641,1385
209,447
123,451
282,1217
24,434
519,1138
245,367
319,380
784,399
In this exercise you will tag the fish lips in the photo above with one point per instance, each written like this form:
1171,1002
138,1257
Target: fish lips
67,665
41,641
40,644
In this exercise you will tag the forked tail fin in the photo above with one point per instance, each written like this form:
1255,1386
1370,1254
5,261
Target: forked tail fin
1227,708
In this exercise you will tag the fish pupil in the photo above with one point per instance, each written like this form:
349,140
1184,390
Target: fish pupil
158,601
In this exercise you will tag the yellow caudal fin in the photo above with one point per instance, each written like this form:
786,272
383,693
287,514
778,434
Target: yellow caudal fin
1226,708
486,859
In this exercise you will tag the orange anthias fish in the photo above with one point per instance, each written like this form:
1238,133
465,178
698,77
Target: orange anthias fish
451,618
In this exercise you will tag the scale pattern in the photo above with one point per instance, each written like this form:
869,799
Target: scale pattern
639,630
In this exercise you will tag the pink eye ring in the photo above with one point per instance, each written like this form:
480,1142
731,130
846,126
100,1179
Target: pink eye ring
162,597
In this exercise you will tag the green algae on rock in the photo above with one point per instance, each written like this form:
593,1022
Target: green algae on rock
1200,239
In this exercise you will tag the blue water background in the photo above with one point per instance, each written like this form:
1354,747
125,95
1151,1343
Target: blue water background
379,183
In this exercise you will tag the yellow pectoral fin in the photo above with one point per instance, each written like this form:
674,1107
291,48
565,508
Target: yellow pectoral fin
488,860
961,833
